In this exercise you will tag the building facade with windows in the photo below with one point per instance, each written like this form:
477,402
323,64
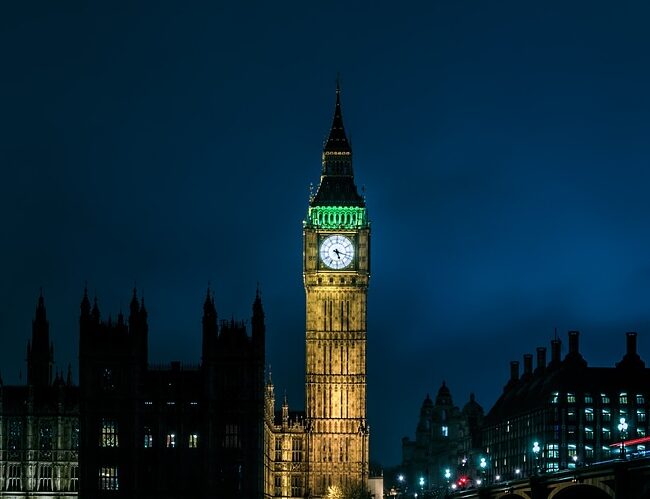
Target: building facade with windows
170,431
577,414
39,425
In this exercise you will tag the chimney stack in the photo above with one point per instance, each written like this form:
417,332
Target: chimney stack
514,371
528,364
574,337
556,351
631,343
541,358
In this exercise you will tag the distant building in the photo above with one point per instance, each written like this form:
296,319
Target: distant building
446,438
39,425
571,410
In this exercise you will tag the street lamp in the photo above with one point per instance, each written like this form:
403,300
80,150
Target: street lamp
422,482
536,450
483,464
622,429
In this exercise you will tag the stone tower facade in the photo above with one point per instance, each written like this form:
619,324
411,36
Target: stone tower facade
336,271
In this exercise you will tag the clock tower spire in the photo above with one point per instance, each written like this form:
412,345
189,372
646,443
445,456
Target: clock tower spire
336,271
337,185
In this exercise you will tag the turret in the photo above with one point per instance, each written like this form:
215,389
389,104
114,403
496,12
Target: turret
209,326
138,327
40,352
257,322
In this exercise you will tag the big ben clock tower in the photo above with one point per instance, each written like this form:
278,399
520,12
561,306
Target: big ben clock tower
336,270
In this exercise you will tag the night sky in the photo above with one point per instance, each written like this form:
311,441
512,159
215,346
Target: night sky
504,148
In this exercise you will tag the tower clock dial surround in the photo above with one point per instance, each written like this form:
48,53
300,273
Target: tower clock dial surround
337,251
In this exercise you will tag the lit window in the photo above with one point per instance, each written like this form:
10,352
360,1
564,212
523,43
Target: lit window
588,398
15,441
194,441
553,466
555,397
552,451
108,479
74,479
45,443
171,402
622,398
109,436
606,450
589,452
194,403
604,398
148,402
14,474
278,485
607,416
589,414
571,415
148,438
640,399
75,435
296,450
278,449
607,434
640,432
571,398
572,450
296,486
589,433
45,478
640,415
170,441
445,431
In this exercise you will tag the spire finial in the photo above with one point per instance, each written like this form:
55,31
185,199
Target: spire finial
337,141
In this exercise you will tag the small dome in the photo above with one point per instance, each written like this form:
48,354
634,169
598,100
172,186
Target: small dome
444,395
472,407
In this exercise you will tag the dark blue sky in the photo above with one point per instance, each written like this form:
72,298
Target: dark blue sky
504,147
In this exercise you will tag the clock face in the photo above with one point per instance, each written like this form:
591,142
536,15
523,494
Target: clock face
336,251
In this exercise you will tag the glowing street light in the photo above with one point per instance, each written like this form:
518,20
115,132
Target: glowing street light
622,429
422,481
400,478
447,474
536,450
497,478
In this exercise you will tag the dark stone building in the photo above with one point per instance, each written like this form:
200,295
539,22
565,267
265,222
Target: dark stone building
170,431
446,437
39,425
577,414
